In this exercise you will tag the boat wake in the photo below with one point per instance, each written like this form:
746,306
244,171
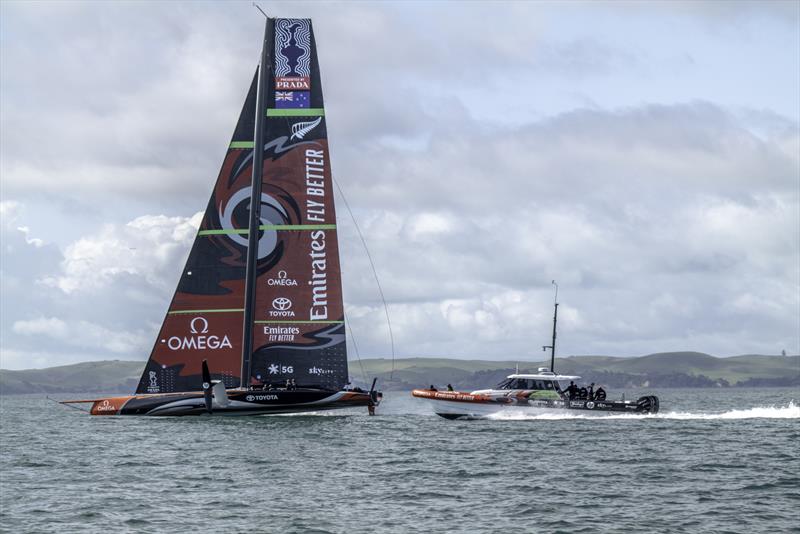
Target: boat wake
790,411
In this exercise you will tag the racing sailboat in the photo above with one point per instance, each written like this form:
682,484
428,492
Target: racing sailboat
256,324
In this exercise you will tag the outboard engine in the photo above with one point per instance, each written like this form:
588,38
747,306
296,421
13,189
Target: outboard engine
648,404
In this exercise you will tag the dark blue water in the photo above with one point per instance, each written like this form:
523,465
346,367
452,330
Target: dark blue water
712,461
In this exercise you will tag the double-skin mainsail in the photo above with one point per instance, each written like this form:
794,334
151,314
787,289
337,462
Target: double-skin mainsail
290,329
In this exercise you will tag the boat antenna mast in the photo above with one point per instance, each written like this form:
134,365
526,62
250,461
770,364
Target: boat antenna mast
264,69
552,346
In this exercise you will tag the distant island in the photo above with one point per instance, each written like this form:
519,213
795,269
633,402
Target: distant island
663,370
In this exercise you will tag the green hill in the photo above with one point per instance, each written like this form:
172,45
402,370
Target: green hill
87,377
666,369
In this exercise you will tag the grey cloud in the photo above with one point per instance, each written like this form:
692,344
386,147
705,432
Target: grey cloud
669,226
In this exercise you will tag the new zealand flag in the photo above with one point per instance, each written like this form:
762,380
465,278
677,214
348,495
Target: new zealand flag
292,99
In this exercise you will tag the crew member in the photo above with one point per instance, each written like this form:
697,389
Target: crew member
433,388
600,394
591,391
449,387
572,390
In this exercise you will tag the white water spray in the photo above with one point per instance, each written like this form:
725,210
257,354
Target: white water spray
790,411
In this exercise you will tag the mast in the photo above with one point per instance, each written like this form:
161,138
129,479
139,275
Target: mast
264,70
552,346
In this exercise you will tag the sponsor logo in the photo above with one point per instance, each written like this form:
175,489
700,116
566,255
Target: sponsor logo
315,212
281,307
282,280
200,322
602,405
275,369
318,371
153,386
281,333
590,405
576,404
300,129
199,341
251,398
281,303
106,406
290,83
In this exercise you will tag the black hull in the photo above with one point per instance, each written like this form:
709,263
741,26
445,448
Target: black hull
648,404
644,405
238,403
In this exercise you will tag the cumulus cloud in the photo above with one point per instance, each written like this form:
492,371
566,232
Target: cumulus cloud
655,220
105,294
148,248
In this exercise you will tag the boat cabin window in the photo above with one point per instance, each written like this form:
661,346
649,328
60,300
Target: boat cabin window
506,384
525,383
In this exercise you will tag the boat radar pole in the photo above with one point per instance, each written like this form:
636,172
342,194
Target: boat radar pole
555,320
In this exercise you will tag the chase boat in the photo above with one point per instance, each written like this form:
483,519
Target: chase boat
532,394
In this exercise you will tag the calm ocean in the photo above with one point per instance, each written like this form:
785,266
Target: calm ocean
711,461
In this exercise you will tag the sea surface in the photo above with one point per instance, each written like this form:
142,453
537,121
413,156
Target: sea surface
724,460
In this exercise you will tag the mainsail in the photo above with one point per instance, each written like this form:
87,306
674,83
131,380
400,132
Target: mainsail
298,315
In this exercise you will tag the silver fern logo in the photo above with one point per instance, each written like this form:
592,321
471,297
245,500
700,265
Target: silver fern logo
300,129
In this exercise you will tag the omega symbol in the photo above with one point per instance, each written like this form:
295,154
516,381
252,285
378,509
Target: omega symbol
198,321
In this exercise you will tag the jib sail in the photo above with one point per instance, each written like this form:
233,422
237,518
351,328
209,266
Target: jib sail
298,318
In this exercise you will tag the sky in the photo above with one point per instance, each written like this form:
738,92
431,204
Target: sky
645,155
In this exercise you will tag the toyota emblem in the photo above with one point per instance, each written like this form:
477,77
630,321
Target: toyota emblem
281,303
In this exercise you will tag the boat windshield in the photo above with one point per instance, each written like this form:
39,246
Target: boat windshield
525,383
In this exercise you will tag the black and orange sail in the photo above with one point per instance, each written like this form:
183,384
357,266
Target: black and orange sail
274,316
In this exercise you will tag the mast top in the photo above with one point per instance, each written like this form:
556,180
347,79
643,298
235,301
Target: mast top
258,7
